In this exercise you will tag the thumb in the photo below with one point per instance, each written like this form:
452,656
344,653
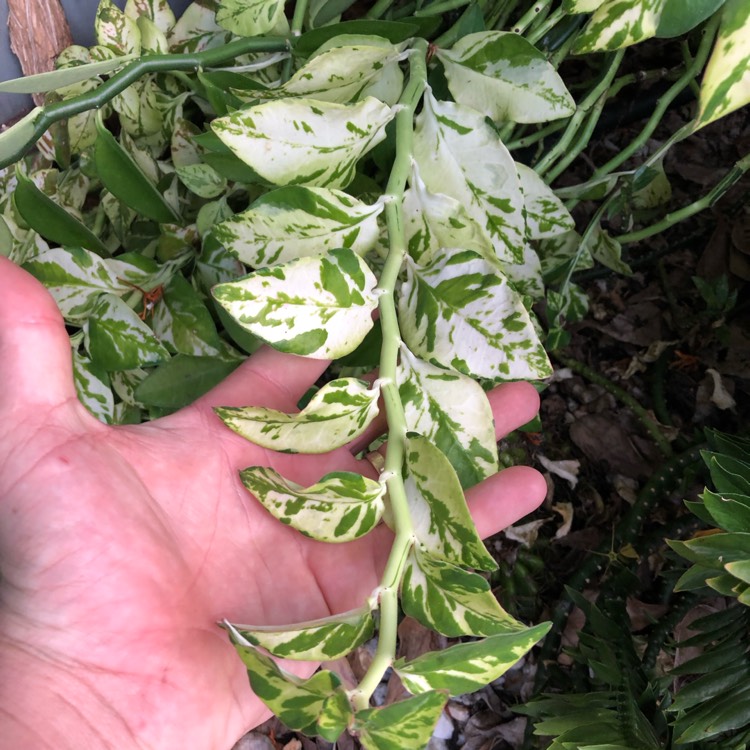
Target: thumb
35,356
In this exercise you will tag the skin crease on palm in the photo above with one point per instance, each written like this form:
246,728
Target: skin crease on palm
121,547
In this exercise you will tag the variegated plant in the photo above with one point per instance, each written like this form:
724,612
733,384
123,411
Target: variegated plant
352,193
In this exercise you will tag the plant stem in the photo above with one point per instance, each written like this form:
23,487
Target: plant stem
532,13
394,459
378,10
300,8
536,33
30,129
441,7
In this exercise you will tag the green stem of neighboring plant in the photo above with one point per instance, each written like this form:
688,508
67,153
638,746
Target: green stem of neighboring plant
379,9
534,12
442,7
20,137
549,23
394,459
298,19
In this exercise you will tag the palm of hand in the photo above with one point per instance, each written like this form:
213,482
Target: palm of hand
121,548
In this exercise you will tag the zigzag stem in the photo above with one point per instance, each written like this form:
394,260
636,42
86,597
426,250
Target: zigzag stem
388,589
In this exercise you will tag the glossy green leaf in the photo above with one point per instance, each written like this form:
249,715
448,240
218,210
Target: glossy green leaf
93,388
726,82
728,474
447,139
503,76
249,17
317,307
459,313
546,216
680,16
317,640
303,141
620,23
452,600
340,507
126,181
710,685
115,30
297,702
739,569
442,523
15,140
467,667
339,412
119,340
453,412
295,222
714,550
51,220
729,510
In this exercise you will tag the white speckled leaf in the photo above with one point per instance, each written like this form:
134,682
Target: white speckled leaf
460,155
295,222
304,141
453,412
249,17
197,30
317,307
340,507
115,30
505,77
157,11
619,23
93,388
581,6
202,179
458,312
546,216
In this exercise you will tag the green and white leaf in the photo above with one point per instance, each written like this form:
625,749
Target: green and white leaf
339,412
506,78
63,77
93,388
460,155
558,252
318,640
125,383
606,250
297,702
340,507
249,17
318,307
546,216
118,339
726,82
115,30
157,11
453,412
406,725
304,141
451,600
467,667
442,523
459,313
581,6
296,222
619,23
202,179
197,30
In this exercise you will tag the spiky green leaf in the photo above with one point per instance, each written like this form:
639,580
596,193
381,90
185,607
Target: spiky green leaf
620,23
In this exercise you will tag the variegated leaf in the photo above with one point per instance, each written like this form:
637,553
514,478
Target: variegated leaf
460,155
202,179
93,388
558,252
619,23
442,523
726,82
303,141
607,250
115,30
297,702
339,412
118,339
249,17
295,222
125,382
505,77
453,412
452,600
197,30
318,307
546,216
458,312
467,667
340,507
318,640
157,11
406,725
581,6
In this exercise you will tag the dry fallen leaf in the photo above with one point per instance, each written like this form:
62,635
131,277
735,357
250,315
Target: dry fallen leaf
566,511
567,469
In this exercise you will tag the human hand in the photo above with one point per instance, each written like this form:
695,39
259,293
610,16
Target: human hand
121,547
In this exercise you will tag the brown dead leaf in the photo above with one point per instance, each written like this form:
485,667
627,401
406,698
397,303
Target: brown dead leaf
642,614
566,512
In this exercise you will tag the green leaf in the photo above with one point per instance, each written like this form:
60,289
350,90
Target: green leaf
451,600
125,179
715,550
503,76
93,388
443,526
115,30
739,569
303,141
406,725
447,139
297,702
730,510
680,16
453,412
317,307
619,23
606,250
467,667
202,179
119,339
546,216
728,474
50,219
459,313
581,6
726,82
15,140
317,640
182,379
340,507
296,222
339,412
249,17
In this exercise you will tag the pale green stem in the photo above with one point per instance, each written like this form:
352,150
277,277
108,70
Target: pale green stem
441,7
529,140
379,9
500,15
388,590
300,8
530,15
549,23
